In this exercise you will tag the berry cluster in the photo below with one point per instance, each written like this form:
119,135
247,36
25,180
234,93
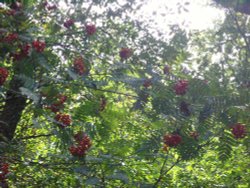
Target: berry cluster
68,23
79,66
181,87
62,99
239,130
11,37
59,104
39,46
4,170
3,75
63,119
125,53
172,140
90,29
24,51
83,144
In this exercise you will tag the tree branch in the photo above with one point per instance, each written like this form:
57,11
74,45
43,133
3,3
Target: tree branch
163,173
36,136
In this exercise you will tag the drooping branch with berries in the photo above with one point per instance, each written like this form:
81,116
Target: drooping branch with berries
95,96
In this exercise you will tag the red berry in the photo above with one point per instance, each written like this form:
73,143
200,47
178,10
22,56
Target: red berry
125,53
55,107
79,136
4,170
166,69
239,130
3,75
90,29
39,45
181,87
72,150
147,83
83,144
58,105
172,140
58,117
11,37
68,23
25,50
62,99
63,119
79,66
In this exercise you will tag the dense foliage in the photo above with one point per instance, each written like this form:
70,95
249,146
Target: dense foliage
90,98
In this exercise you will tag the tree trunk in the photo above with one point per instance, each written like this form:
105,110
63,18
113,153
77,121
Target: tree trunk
12,110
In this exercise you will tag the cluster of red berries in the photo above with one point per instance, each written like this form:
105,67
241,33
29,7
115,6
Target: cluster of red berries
63,120
68,23
10,37
181,87
172,140
23,52
239,130
4,170
83,144
90,29
79,66
125,53
3,75
39,46
58,105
